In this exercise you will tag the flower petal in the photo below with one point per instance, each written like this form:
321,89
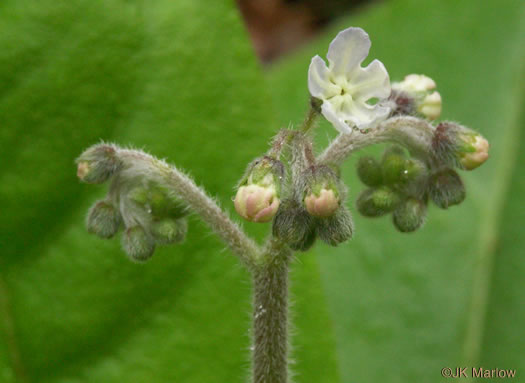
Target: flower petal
360,114
329,113
348,50
372,81
319,82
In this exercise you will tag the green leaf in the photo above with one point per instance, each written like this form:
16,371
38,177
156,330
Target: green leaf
177,78
406,306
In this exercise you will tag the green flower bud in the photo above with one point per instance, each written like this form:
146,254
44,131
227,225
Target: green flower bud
337,228
294,226
385,199
413,170
103,219
159,201
169,231
163,203
413,180
393,165
365,205
369,171
410,215
98,163
139,195
137,244
446,188
377,202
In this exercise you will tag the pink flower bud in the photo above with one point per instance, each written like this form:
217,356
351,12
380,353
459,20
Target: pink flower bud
323,205
256,203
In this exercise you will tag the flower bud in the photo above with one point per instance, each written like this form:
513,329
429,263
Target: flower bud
256,203
416,92
393,165
446,188
365,205
257,197
475,151
139,195
337,228
321,191
413,179
97,164
430,106
377,202
159,201
413,170
385,199
137,244
168,231
410,215
294,226
103,219
323,205
415,83
456,145
369,171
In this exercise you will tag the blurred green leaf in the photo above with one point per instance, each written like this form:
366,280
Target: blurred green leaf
177,78
405,306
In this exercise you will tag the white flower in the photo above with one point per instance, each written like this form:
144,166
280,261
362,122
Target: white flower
345,87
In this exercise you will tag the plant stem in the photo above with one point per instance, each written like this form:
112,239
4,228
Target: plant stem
270,316
413,133
310,119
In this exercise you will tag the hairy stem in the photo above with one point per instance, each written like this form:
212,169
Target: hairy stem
413,133
310,119
200,203
270,316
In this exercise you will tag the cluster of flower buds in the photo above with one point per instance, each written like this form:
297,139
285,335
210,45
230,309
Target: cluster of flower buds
397,185
403,186
137,199
304,206
416,95
315,209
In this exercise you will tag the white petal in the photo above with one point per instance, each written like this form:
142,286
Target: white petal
329,113
361,114
372,81
376,113
319,82
348,50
